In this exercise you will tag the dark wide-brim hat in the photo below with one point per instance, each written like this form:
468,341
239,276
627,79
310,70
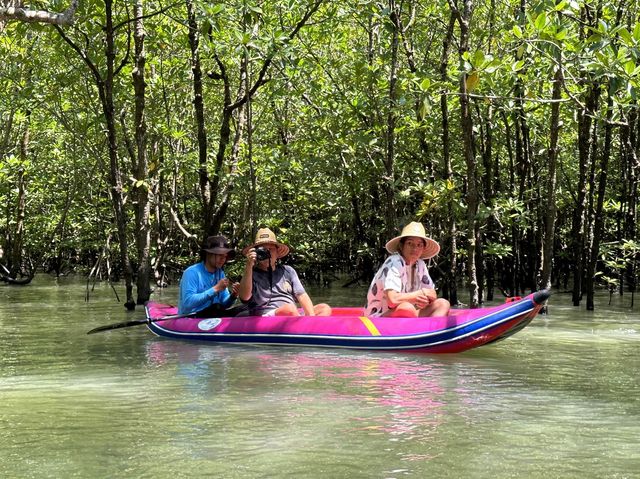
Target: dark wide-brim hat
218,245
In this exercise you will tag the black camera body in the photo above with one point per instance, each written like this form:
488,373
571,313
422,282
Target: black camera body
262,253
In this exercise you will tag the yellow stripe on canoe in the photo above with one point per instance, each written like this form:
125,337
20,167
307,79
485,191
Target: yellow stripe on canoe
370,326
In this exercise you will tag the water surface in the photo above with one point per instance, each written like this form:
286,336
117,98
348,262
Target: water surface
558,399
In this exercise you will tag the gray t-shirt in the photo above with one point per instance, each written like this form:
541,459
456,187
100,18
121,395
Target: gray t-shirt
266,296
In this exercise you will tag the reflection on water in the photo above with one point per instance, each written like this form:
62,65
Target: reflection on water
408,392
559,399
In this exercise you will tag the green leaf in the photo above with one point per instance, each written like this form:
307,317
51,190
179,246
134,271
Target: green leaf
540,21
629,67
478,58
636,32
425,107
215,9
561,34
625,35
517,31
596,37
622,54
518,65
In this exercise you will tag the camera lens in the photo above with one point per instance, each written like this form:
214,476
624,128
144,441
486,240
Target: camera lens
262,253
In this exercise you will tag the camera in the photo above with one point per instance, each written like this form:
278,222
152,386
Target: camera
262,253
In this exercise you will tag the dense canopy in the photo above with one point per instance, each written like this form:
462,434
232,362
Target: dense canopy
510,129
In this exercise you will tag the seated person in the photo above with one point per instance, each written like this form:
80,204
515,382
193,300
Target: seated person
269,288
402,286
204,289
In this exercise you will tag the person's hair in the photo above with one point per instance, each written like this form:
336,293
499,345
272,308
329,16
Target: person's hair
402,240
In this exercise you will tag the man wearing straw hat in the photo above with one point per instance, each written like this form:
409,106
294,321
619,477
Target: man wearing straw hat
272,289
204,288
402,286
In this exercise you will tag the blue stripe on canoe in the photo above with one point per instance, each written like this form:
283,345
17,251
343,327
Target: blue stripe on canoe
434,338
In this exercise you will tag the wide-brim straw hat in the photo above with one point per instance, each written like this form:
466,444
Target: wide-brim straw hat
218,245
266,236
416,230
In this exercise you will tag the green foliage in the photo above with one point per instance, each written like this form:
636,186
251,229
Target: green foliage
319,144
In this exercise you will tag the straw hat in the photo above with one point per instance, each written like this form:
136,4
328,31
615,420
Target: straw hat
266,236
415,230
218,245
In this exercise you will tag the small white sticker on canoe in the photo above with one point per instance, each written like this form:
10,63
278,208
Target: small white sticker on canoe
209,323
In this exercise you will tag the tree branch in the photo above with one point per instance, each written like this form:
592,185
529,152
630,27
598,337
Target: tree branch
40,16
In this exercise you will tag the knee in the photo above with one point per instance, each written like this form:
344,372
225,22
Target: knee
322,309
441,307
442,303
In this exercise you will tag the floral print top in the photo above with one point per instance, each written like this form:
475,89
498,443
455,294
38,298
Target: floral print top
396,275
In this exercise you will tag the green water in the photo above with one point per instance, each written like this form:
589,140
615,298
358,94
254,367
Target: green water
558,399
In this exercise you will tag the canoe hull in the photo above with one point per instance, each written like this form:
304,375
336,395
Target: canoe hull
348,328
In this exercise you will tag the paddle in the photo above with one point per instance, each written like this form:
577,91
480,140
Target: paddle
136,322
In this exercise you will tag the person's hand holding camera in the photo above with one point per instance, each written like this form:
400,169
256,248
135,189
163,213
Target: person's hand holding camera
251,258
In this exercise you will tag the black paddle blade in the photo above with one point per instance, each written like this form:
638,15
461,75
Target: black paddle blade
136,322
126,324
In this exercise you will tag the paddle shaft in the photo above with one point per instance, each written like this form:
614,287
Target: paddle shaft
136,322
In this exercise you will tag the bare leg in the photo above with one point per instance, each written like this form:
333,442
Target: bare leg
322,309
403,310
440,307
287,310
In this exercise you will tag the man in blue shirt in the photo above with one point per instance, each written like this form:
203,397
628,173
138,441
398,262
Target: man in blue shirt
204,288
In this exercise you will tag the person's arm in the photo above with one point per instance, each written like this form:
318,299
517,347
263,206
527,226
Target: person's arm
431,293
246,283
191,299
418,298
226,298
306,304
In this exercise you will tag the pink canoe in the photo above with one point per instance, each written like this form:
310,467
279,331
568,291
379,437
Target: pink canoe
347,328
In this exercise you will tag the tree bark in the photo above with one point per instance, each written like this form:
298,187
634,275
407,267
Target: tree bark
584,154
198,106
115,174
487,273
585,137
15,259
598,224
552,157
629,199
104,84
464,17
388,183
143,208
450,243
9,11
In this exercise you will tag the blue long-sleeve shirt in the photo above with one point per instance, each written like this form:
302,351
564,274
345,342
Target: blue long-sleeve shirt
196,290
